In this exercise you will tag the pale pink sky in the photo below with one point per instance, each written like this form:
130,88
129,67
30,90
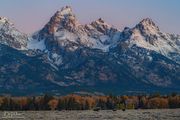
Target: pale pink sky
31,15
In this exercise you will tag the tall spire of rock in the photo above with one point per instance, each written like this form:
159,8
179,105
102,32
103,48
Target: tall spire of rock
62,19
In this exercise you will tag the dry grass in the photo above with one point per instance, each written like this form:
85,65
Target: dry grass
163,114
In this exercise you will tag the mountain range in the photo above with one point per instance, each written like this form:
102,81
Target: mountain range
68,57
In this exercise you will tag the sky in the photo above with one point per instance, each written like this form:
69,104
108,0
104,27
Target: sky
30,16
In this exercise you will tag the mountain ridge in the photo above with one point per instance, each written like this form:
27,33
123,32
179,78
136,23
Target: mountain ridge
65,57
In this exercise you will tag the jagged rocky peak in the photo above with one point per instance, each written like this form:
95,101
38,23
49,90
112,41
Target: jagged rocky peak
101,26
100,21
146,30
62,19
147,26
147,35
126,33
5,21
67,10
11,36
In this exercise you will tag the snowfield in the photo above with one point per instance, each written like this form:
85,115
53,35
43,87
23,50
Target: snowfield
164,114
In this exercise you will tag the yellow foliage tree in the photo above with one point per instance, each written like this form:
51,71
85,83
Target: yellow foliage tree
53,104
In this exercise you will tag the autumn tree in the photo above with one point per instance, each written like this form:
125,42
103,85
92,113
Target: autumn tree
1,101
53,104
22,102
90,102
143,100
76,102
156,103
174,102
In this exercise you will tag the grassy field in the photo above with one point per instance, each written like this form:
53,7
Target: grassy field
164,114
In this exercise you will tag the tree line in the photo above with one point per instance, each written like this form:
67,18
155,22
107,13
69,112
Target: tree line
77,102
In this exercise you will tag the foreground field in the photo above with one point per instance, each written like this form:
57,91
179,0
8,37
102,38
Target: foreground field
165,114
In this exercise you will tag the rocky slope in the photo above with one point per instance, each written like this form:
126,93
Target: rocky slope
65,57
147,35
10,36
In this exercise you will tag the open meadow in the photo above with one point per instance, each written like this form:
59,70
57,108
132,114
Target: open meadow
154,114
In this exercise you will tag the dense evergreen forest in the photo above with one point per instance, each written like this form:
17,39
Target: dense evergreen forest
77,102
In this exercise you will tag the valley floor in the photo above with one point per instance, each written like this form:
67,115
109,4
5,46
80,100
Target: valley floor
155,114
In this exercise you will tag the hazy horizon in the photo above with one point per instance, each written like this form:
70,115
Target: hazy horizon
30,16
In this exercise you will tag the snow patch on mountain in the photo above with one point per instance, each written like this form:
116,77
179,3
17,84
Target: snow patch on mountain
57,59
35,44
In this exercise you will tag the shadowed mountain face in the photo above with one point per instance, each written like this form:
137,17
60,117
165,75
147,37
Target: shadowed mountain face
66,57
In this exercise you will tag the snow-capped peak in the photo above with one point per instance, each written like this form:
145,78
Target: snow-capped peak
100,21
147,35
10,36
101,25
147,26
63,32
4,20
147,21
62,19
67,10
